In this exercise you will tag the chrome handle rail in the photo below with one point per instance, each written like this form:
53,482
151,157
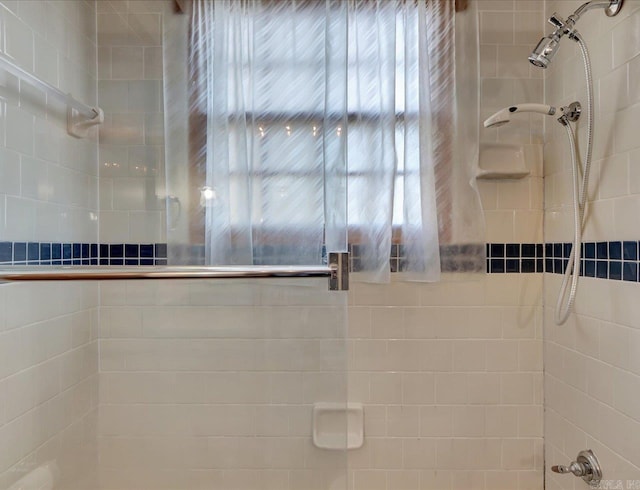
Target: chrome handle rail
335,272
9,66
89,116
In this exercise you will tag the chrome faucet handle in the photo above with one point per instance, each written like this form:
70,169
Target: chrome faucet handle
576,468
586,467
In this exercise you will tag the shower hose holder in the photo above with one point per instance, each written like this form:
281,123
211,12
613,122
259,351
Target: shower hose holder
572,112
585,466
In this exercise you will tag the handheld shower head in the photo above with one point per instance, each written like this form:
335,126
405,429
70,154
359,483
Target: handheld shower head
504,116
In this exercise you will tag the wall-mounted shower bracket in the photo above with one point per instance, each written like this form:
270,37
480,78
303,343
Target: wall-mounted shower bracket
339,265
78,125
572,111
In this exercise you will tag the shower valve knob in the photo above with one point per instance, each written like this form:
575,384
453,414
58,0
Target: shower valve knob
576,468
586,466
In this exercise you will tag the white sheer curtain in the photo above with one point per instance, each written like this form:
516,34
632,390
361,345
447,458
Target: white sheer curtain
390,156
297,104
269,78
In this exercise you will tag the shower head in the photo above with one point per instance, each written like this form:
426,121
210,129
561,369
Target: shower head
504,116
544,51
548,46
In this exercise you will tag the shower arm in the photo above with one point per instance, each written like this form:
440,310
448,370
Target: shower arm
611,8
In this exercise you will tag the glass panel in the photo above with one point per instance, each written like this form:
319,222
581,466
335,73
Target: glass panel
222,376
140,384
212,384
49,192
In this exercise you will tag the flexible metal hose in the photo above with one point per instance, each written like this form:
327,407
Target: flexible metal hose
590,122
563,307
571,273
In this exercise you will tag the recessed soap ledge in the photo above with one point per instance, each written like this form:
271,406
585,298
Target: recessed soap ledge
500,161
338,426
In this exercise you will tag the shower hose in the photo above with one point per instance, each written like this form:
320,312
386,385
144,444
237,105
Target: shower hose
572,271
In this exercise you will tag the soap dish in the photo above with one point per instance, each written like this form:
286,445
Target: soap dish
338,426
501,161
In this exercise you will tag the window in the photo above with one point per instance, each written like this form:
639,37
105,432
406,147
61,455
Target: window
294,103
287,120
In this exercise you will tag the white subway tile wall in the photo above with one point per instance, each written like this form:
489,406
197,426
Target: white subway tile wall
451,378
451,373
508,30
132,201
48,192
591,363
208,384
49,382
49,179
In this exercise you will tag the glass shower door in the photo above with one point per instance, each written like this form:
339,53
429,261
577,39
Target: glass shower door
147,384
213,384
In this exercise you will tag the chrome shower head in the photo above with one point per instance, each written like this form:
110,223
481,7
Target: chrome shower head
544,51
548,46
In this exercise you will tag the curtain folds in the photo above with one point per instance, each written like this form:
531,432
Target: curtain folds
314,123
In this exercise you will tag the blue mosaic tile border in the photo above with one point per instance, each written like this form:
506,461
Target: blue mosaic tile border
515,258
48,253
617,260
